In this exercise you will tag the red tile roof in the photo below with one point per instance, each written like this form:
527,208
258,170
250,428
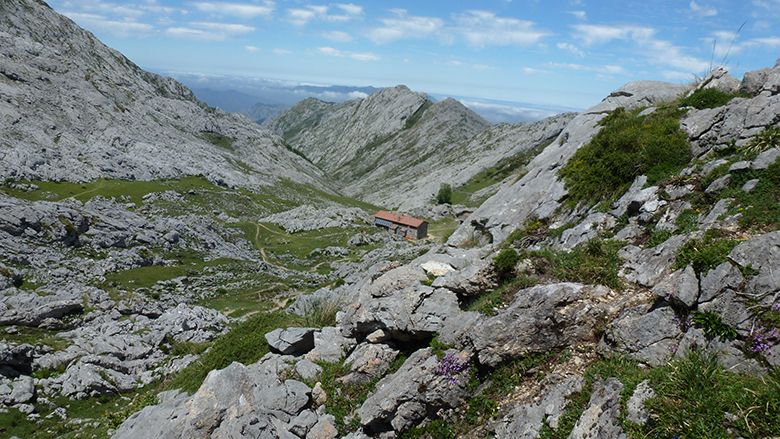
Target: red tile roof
399,219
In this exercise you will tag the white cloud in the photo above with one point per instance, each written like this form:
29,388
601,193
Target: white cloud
673,75
667,54
571,48
338,36
702,11
357,56
580,15
530,71
660,52
769,41
606,69
115,27
252,49
405,26
357,95
591,34
241,10
350,8
280,51
484,28
344,12
206,30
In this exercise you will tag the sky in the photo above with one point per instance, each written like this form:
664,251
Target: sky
568,53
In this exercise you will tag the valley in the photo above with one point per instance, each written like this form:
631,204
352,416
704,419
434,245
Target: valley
169,270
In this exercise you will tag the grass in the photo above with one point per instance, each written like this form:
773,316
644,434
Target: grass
759,208
707,252
344,399
593,262
628,145
188,263
273,238
487,303
693,395
218,139
442,229
130,190
245,343
713,326
708,98
514,165
769,138
37,336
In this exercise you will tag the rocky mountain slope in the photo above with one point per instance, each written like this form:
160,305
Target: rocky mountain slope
563,307
397,147
620,283
73,109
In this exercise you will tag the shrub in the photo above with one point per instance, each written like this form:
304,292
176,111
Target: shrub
713,326
706,253
628,145
767,139
707,98
593,262
445,194
504,263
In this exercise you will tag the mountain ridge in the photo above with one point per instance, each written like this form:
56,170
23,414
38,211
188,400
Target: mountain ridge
117,120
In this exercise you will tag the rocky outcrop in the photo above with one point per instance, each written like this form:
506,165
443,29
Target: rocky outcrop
740,119
305,218
237,401
540,192
423,385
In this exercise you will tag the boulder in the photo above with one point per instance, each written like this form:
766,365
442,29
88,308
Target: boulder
330,345
526,419
541,319
649,335
291,340
601,418
681,287
237,401
636,411
368,361
402,400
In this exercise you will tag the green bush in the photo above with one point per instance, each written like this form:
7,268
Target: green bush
767,139
445,194
593,262
628,145
713,326
706,253
707,98
504,263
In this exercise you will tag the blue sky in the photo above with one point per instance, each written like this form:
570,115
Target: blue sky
568,53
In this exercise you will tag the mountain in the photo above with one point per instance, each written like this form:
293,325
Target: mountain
622,286
396,147
74,109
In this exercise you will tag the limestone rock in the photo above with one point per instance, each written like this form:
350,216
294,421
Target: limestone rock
525,420
650,336
541,319
682,287
601,417
368,361
403,399
291,340
635,407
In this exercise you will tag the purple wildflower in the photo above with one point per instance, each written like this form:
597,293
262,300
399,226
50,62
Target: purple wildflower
776,307
762,339
450,367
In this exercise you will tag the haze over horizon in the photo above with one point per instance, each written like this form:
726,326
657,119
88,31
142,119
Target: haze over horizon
563,53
